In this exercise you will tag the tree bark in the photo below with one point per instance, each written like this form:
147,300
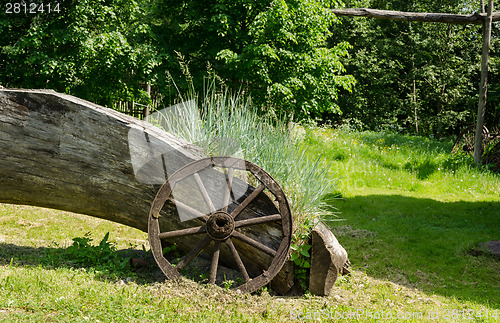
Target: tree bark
60,152
478,139
475,18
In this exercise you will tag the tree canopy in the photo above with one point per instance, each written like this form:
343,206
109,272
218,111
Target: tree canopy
274,50
292,57
98,50
106,50
413,75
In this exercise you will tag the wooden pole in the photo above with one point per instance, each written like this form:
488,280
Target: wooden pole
478,140
146,112
475,18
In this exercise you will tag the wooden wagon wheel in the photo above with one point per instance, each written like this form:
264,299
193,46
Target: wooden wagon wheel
465,140
222,225
492,155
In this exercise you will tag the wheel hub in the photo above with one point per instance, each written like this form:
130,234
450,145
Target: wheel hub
220,225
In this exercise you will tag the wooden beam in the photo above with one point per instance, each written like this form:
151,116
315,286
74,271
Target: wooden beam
64,153
478,139
486,19
475,18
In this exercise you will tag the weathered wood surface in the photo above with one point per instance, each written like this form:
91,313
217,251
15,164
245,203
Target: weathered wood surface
483,86
61,152
328,260
475,18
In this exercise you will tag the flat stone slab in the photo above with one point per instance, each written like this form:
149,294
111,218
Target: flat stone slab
489,248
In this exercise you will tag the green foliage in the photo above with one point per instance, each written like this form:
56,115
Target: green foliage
169,249
302,260
276,51
96,50
286,62
106,50
293,57
413,74
102,256
300,255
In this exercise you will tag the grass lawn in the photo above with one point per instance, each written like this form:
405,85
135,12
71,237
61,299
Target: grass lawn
410,213
408,216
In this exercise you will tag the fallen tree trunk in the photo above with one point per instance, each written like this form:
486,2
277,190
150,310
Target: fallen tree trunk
64,153
475,18
60,152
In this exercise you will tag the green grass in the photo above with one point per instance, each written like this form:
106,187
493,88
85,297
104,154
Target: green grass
365,160
409,215
412,212
226,124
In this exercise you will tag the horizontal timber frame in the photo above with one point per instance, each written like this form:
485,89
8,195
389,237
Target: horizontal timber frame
484,18
475,18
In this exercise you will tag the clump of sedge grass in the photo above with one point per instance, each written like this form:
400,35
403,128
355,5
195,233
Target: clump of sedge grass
228,125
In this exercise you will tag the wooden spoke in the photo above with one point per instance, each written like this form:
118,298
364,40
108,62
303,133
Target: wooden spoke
247,201
237,257
182,232
193,253
262,219
196,213
215,263
227,195
254,243
204,192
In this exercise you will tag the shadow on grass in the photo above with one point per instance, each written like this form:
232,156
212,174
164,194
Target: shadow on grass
424,243
50,258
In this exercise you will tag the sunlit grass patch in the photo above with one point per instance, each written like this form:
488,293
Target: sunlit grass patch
413,211
407,163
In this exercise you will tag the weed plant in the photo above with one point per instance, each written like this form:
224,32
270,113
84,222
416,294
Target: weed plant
102,257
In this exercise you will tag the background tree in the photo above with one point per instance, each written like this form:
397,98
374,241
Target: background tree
275,50
96,50
413,77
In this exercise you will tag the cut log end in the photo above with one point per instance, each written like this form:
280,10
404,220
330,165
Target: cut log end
328,260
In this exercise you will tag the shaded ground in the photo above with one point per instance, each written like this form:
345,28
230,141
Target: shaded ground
424,243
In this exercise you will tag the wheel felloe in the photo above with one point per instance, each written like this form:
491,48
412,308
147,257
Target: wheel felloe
224,223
